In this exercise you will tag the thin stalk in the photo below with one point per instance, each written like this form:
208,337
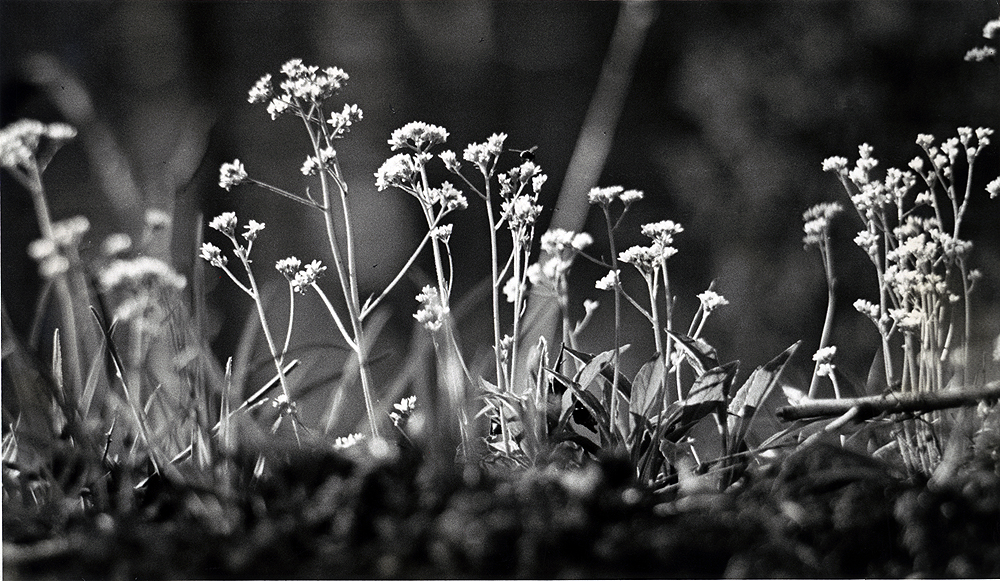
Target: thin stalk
66,311
495,289
831,297
611,399
275,356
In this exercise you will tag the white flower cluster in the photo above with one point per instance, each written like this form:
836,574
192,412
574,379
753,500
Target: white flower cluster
51,253
418,136
303,86
824,361
19,141
232,174
349,441
817,222
404,409
711,300
604,196
432,311
485,154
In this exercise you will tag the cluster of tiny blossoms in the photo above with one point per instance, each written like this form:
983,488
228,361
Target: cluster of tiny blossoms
403,410
649,258
433,311
303,86
559,248
980,53
298,276
817,222
20,141
52,254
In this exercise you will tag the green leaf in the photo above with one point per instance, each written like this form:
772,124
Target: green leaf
699,354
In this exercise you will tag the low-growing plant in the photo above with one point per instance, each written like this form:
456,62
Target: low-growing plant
145,401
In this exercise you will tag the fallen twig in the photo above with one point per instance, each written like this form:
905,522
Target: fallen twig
889,403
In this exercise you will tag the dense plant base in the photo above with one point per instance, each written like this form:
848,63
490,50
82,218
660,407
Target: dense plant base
821,512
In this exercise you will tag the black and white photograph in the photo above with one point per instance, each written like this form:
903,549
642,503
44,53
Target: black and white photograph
490,289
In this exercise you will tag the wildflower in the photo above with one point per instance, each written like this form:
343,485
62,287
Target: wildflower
450,197
662,231
232,174
485,154
288,267
68,233
908,321
511,288
991,28
442,233
608,281
628,197
824,360
711,300
980,53
647,258
604,196
817,222
521,212
261,91
537,181
432,311
867,308
399,171
868,241
253,228
116,244
450,159
213,254
19,141
404,409
307,276
225,223
417,136
835,164
344,442
140,272
559,241
993,188
342,121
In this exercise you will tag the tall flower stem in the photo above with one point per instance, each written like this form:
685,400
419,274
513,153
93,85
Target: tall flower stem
347,274
66,311
611,399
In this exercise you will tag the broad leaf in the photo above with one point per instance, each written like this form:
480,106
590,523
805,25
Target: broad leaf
748,398
647,387
699,354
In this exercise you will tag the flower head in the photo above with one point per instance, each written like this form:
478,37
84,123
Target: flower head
608,281
403,410
253,228
662,231
400,171
993,188
450,159
307,276
711,300
433,311
225,223
485,154
343,121
213,254
232,174
345,442
824,360
604,196
417,136
817,222
288,267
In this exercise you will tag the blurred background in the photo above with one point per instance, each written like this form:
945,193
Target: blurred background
729,112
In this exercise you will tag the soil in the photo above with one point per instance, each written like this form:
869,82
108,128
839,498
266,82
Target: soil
819,512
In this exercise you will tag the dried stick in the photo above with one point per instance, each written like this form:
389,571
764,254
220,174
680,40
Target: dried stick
891,403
